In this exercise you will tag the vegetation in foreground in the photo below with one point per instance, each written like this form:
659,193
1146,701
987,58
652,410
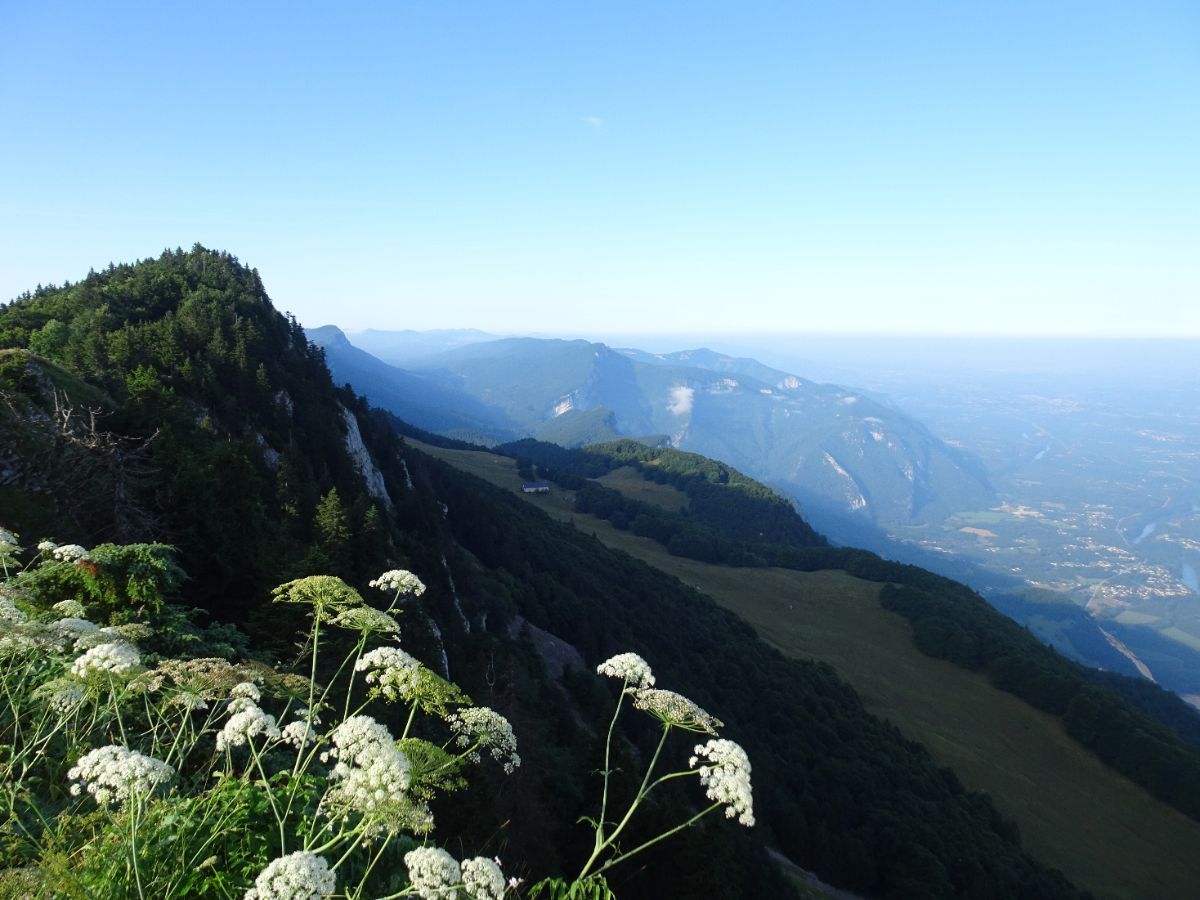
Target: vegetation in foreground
134,774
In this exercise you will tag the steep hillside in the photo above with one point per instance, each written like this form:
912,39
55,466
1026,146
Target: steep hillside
1100,828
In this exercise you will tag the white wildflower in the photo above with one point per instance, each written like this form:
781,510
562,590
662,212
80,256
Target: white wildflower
630,667
86,639
70,553
372,774
67,699
114,773
62,695
297,876
246,690
9,613
46,546
486,728
482,879
399,580
8,539
70,608
366,619
392,670
188,701
297,734
18,643
674,709
433,872
725,772
113,658
74,628
245,725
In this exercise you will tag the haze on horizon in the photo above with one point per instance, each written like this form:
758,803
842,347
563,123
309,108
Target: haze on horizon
898,169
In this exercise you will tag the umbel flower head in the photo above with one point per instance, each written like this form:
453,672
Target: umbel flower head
366,619
209,678
70,553
400,580
482,878
725,773
114,774
62,695
630,667
70,608
9,613
246,690
74,628
114,658
434,873
674,709
247,723
478,725
297,876
392,671
326,594
372,774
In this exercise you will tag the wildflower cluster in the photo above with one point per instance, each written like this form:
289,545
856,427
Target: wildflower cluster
674,710
111,658
399,580
482,878
114,774
367,620
434,873
371,773
246,690
297,876
73,628
725,772
70,553
63,696
70,608
392,671
629,667
724,769
358,803
247,723
9,613
485,728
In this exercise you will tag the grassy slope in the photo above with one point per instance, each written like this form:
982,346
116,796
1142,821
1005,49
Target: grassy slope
1103,831
629,481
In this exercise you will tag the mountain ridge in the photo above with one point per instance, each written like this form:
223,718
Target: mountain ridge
827,445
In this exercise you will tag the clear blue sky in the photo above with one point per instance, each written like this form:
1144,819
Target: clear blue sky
562,166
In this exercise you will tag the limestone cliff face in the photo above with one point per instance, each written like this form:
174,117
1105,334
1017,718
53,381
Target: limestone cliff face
362,459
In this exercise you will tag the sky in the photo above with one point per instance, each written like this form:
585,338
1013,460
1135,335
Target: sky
550,167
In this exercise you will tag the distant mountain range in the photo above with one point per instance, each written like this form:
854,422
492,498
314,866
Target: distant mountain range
839,452
400,347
